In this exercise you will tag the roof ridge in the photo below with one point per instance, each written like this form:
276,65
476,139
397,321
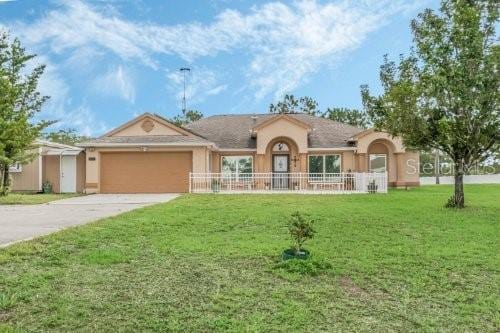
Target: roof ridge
276,114
264,114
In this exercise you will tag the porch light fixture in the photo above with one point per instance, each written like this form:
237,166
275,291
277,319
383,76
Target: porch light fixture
294,160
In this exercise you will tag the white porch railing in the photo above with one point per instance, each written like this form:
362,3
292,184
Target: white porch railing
356,182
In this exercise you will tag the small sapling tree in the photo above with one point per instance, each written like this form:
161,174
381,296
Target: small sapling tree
301,230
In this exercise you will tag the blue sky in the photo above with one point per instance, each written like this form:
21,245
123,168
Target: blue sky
108,61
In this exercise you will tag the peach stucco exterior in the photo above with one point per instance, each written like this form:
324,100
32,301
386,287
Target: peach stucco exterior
402,165
282,127
136,129
200,156
144,126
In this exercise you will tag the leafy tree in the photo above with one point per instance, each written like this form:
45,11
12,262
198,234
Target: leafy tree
66,136
19,102
445,94
187,117
290,104
348,116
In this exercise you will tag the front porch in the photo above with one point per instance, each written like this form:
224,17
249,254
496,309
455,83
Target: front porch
284,182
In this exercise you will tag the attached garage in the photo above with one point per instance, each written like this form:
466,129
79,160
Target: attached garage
145,172
148,154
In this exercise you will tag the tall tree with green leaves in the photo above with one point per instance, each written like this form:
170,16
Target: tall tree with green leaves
187,117
445,94
20,100
348,116
66,136
290,104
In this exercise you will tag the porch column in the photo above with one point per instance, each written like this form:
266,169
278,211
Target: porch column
400,165
362,163
259,163
303,162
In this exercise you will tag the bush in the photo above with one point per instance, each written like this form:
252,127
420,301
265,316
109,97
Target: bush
302,267
47,187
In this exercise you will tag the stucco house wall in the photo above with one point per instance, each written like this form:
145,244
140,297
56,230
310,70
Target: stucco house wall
200,156
51,172
152,134
285,129
30,179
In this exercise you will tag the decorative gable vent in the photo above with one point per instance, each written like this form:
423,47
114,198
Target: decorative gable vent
147,125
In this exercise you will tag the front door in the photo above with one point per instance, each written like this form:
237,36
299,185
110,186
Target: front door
280,172
68,174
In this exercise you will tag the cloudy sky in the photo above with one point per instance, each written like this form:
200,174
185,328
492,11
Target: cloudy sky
108,61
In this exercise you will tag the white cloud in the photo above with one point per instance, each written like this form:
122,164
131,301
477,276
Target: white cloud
84,120
84,59
60,106
200,84
286,42
116,82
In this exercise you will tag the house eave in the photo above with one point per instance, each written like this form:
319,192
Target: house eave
138,145
228,150
333,149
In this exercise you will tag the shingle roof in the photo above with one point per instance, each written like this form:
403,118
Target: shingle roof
154,139
235,131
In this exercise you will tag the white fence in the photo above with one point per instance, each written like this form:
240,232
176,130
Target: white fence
288,182
469,179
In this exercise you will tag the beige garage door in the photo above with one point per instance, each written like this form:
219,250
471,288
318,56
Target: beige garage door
145,172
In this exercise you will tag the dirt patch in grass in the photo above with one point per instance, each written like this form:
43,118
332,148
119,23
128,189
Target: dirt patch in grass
4,316
350,287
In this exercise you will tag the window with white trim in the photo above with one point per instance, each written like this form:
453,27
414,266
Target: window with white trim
378,162
16,167
325,167
237,167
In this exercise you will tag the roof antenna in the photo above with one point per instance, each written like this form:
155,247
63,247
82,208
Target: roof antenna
184,70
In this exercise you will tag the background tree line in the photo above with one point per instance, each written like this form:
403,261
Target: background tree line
306,104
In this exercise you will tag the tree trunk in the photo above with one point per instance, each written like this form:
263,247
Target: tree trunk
436,166
458,197
1,179
5,186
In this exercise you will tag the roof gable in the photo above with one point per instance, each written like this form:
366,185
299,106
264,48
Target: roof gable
147,124
279,117
363,133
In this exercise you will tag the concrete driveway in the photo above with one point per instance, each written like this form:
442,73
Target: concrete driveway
23,222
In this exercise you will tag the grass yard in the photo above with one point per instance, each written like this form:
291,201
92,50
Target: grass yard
33,198
395,262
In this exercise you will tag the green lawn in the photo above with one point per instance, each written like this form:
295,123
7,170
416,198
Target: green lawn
395,262
33,198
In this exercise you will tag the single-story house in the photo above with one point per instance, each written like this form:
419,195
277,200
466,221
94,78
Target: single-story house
60,165
149,154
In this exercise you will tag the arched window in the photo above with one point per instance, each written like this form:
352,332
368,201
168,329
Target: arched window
281,146
378,162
